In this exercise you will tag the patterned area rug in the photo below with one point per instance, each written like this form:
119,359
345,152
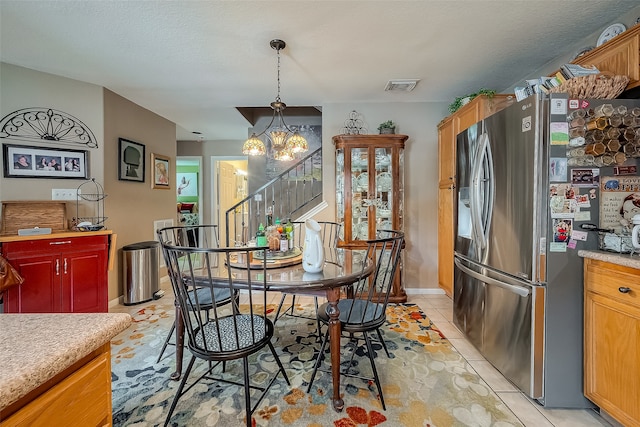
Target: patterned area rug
426,382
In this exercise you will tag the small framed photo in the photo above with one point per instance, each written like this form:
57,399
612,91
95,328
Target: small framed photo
160,171
130,160
21,161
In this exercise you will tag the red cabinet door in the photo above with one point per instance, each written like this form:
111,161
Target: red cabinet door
40,292
63,275
84,282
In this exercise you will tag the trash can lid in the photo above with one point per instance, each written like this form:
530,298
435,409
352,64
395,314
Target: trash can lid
141,245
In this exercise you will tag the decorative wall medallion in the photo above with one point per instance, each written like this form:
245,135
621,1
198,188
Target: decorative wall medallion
46,124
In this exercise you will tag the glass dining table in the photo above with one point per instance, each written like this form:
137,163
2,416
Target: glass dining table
342,267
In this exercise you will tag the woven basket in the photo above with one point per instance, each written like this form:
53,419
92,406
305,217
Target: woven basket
596,86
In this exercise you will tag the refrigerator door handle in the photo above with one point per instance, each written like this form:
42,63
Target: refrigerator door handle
474,200
523,292
481,220
491,186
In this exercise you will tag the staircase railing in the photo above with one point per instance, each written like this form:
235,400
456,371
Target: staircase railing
289,195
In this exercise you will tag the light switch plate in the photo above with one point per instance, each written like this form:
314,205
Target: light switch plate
64,194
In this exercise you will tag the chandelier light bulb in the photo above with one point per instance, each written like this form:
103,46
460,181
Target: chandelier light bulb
297,143
254,146
283,155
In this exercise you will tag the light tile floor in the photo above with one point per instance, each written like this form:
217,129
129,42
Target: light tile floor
439,309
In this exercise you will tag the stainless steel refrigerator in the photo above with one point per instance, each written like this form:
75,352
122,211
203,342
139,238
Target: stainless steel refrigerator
518,282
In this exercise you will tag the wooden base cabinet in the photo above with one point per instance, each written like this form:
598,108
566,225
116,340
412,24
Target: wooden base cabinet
62,275
448,130
78,397
612,339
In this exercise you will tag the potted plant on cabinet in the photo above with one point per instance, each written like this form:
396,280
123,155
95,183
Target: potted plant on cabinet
462,100
387,127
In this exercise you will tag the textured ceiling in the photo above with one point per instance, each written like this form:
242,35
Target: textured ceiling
193,62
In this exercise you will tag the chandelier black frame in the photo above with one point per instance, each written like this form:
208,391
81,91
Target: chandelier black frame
284,140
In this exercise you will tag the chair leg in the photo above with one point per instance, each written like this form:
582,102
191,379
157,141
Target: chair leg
318,325
275,356
318,360
384,345
179,391
166,342
279,308
247,390
373,368
293,304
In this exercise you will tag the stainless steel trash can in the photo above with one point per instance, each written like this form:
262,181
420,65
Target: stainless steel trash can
140,272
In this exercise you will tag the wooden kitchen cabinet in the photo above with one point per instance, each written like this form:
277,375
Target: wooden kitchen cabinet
62,275
612,339
370,192
80,396
620,55
448,129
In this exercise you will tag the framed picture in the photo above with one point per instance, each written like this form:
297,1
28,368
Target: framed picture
187,184
130,160
160,172
22,161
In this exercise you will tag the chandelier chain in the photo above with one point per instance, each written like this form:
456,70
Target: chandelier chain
278,94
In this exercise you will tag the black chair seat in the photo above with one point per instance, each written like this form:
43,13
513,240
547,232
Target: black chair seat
205,299
222,337
356,315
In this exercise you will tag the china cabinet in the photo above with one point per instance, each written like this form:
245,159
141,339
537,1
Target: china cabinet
448,129
612,339
370,191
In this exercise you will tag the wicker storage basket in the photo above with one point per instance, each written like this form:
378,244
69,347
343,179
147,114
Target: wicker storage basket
596,86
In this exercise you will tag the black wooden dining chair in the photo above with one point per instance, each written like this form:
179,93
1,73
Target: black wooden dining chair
220,333
364,311
204,236
330,235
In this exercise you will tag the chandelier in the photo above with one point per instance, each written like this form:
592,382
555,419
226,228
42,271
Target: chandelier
284,141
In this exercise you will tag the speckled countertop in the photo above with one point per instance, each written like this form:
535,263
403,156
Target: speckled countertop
627,260
36,347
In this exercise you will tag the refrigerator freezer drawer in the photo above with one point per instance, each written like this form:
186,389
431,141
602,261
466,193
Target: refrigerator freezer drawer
505,321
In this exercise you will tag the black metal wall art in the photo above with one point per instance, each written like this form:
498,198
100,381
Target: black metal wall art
46,125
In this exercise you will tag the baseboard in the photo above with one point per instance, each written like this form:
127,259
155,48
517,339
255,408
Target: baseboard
420,291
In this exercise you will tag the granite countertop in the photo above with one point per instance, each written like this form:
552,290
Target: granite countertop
626,260
36,347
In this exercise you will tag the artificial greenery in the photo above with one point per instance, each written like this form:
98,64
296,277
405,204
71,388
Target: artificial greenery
388,124
457,103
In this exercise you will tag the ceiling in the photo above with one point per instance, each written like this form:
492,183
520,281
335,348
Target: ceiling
193,62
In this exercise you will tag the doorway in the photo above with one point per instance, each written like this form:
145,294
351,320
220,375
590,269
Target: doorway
189,194
230,184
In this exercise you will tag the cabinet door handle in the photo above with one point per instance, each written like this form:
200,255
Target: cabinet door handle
65,266
65,242
624,289
57,267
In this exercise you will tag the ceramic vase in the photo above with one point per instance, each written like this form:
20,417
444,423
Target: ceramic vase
312,251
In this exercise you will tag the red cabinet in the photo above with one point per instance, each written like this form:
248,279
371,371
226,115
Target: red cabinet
62,275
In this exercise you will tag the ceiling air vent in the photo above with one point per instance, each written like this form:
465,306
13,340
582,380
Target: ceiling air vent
404,85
